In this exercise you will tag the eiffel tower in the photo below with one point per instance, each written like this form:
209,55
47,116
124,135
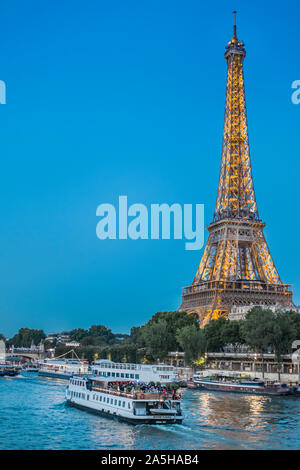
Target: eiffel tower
236,268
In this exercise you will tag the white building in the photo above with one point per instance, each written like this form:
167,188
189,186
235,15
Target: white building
239,312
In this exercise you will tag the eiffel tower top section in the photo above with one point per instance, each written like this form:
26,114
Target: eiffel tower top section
236,197
236,268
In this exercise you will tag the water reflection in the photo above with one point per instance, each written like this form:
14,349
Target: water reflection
245,421
33,415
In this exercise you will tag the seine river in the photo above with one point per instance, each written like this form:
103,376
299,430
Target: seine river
33,415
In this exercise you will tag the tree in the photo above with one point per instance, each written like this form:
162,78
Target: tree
135,333
123,353
231,333
158,339
294,318
101,332
256,330
174,321
2,337
281,336
213,334
26,336
88,341
78,334
193,342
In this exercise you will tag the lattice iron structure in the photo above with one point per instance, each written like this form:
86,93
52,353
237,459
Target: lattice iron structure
236,267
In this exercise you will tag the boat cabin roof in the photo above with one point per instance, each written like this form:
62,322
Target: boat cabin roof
96,378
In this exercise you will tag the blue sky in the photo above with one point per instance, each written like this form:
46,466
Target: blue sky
127,97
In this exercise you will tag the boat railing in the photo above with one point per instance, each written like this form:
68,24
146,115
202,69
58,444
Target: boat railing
153,396
138,395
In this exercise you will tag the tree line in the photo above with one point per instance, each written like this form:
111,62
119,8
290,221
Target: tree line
262,330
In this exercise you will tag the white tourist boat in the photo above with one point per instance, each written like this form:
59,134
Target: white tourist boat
62,368
140,372
124,400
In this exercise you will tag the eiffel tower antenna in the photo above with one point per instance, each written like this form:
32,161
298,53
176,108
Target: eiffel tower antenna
234,24
236,269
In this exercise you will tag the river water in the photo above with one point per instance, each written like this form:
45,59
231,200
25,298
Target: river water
33,415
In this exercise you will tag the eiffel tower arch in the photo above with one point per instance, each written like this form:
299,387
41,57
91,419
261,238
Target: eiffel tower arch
236,268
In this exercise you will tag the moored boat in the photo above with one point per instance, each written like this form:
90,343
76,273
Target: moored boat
8,370
161,373
239,384
124,400
62,368
30,370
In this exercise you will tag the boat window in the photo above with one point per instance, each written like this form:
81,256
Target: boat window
117,374
131,376
119,402
115,402
111,401
101,398
122,376
128,405
127,376
137,376
113,374
123,404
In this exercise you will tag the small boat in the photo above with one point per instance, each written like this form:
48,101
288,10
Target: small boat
124,401
295,390
30,370
182,383
238,384
62,368
8,370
